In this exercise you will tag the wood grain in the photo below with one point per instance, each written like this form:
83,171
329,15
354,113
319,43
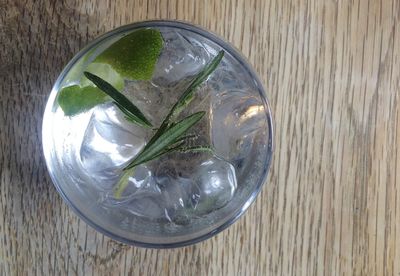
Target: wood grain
332,202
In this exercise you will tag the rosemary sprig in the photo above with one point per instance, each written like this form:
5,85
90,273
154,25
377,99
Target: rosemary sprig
170,136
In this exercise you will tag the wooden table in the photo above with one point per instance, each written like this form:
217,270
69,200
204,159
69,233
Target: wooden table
332,202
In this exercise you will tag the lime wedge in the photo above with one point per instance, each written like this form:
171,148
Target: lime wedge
134,56
75,99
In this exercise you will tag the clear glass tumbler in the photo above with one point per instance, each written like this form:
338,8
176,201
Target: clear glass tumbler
182,198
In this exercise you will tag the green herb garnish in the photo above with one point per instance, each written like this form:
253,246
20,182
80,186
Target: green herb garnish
182,102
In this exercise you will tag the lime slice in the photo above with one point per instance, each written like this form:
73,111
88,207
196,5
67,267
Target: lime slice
75,99
134,56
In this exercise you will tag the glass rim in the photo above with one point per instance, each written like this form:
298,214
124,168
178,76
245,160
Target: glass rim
208,35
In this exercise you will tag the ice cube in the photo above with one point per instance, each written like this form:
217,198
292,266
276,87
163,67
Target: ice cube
109,141
228,76
154,101
236,119
182,56
175,189
142,195
140,184
215,184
